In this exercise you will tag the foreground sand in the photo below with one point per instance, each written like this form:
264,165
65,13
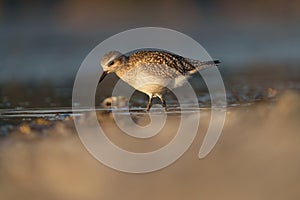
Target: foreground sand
257,157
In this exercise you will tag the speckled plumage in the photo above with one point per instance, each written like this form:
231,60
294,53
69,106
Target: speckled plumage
151,72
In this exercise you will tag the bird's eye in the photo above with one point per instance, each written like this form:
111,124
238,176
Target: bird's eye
111,63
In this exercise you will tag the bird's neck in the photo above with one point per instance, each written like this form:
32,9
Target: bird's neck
124,68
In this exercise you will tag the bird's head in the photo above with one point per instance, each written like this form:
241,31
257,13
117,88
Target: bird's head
112,62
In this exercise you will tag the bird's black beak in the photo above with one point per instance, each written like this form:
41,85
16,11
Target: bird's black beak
103,76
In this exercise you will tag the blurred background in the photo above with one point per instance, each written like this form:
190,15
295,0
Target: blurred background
44,42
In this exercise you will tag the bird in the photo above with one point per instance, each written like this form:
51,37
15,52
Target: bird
152,71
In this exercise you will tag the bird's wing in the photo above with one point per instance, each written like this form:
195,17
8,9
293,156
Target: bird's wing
166,60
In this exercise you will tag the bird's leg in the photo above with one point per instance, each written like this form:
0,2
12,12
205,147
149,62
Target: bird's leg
163,102
149,103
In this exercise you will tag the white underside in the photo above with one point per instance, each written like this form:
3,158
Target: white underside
153,85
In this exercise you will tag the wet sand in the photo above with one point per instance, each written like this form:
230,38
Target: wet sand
256,157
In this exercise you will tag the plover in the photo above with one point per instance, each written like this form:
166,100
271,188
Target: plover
152,71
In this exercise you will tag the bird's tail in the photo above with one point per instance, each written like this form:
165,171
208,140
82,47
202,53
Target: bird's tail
214,62
201,65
